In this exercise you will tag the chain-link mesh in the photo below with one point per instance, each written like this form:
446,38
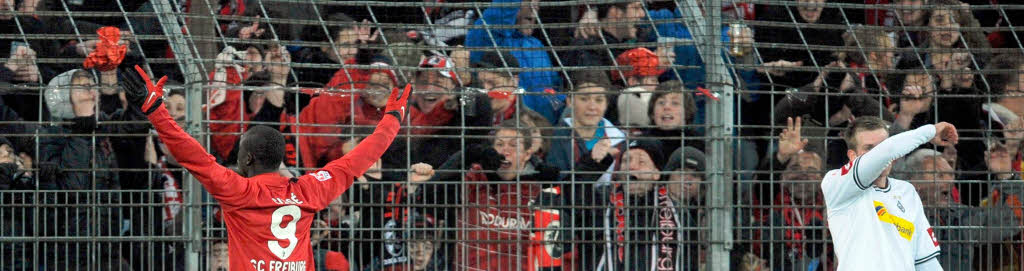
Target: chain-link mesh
540,135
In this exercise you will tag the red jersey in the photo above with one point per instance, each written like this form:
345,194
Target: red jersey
499,217
268,216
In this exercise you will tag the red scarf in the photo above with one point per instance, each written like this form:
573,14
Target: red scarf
795,218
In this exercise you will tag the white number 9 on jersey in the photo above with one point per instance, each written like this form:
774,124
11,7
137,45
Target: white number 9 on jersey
286,233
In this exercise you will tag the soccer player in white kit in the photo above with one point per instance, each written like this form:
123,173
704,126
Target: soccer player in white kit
878,223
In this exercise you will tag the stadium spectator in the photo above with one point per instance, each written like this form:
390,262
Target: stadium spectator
364,106
910,13
338,47
670,108
500,180
640,81
585,138
877,56
217,258
225,102
21,65
685,182
802,36
934,179
946,19
499,33
1002,212
633,239
620,20
425,250
502,86
589,144
686,55
444,108
16,174
72,97
924,102
799,222
1005,107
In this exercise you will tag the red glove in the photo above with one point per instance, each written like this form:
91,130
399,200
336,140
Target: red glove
397,101
148,99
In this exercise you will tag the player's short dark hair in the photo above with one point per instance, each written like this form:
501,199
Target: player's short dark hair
865,123
265,144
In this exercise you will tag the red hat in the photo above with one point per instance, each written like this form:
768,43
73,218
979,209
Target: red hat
643,61
445,64
383,67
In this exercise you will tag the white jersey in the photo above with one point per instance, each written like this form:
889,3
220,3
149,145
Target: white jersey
874,228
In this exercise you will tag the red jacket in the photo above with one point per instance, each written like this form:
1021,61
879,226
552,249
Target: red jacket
268,216
334,106
336,110
499,216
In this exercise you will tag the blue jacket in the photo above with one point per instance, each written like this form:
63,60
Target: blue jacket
687,56
533,81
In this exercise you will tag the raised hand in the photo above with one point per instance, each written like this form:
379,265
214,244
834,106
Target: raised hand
790,140
420,172
397,102
140,90
602,149
945,134
913,102
586,28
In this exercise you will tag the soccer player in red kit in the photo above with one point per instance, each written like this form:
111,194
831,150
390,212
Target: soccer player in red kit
268,216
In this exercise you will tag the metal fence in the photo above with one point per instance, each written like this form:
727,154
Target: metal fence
543,135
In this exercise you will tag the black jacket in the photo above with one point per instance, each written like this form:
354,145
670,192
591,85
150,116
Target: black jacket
798,39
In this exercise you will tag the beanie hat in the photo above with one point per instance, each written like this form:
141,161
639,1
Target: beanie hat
686,158
643,61
653,149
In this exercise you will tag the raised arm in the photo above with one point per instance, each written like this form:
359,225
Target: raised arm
337,176
841,186
224,184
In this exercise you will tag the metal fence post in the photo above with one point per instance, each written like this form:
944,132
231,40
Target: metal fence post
169,22
720,131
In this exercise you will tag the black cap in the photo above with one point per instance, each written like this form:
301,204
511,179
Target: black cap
653,149
492,59
687,158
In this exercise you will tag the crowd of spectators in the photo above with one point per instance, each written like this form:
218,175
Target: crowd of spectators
582,148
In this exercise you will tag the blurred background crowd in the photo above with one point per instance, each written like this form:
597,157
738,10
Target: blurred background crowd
542,135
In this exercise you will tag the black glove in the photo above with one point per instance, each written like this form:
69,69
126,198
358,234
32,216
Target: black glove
83,125
485,155
134,87
50,172
547,173
140,91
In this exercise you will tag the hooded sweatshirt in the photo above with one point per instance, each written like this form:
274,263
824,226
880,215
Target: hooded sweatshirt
503,35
